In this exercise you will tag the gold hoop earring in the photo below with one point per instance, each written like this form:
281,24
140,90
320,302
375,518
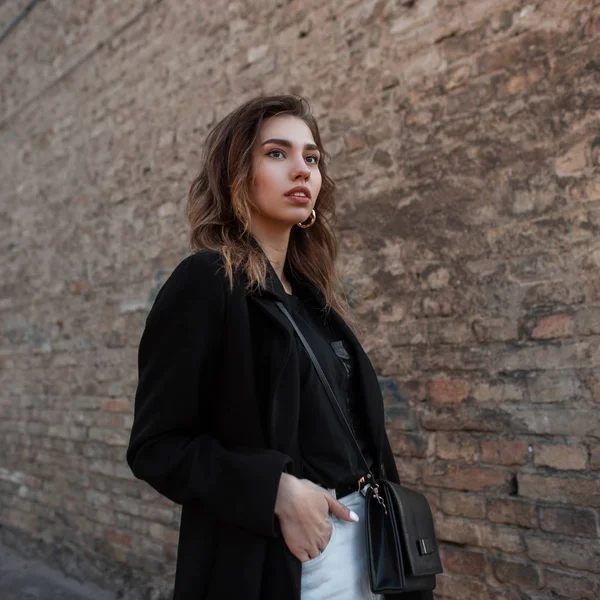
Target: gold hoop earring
310,221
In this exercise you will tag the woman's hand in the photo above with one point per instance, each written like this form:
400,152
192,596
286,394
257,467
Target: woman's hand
303,508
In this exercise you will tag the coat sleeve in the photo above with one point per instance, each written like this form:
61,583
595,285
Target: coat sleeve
170,445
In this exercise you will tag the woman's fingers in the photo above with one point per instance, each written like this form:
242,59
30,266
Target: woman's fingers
306,527
305,547
321,545
340,510
335,506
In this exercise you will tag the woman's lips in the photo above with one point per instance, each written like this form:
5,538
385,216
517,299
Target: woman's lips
303,200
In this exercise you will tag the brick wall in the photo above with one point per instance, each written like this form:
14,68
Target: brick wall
466,148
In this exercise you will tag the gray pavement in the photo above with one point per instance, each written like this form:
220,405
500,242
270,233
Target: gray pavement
30,579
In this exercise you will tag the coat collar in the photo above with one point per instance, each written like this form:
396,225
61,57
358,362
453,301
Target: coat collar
302,287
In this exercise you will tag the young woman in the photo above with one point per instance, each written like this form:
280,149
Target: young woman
231,420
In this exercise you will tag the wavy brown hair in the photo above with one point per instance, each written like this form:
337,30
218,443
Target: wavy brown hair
219,207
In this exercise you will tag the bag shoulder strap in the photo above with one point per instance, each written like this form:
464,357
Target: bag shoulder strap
323,378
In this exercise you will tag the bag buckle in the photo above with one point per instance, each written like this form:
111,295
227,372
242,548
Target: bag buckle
426,546
375,487
379,498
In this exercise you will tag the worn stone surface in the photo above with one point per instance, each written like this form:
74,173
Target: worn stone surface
26,578
464,141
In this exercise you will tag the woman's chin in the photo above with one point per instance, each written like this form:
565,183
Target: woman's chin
284,220
290,220
302,215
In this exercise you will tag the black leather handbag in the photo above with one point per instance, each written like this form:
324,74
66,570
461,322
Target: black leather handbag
403,552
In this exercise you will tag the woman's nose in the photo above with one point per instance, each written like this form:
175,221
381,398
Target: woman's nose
300,170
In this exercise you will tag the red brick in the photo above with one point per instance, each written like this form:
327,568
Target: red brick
456,446
448,391
433,497
455,587
555,386
587,321
468,98
79,287
116,405
595,457
462,417
500,329
573,160
579,522
555,326
465,477
106,467
570,586
464,44
522,574
511,512
149,548
498,391
457,77
568,354
465,562
21,518
161,533
409,469
550,293
170,552
593,385
111,436
520,83
354,142
556,420
418,118
407,443
451,332
560,456
583,556
500,57
463,505
115,536
476,533
568,490
504,452
508,595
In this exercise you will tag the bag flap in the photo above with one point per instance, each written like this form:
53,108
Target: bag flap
416,529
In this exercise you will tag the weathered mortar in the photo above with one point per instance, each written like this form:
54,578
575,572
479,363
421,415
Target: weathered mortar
466,147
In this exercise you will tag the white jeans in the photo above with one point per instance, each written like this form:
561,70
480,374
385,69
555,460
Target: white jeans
340,571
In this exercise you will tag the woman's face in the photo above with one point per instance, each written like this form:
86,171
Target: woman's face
287,179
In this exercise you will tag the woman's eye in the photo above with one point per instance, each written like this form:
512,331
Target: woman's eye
273,152
313,159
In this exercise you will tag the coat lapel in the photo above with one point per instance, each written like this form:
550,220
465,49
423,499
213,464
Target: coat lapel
283,406
239,420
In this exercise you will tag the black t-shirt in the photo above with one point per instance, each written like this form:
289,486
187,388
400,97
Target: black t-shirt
330,457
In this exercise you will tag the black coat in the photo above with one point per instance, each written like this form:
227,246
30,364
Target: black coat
216,413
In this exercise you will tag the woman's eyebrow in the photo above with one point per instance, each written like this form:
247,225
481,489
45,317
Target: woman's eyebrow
289,144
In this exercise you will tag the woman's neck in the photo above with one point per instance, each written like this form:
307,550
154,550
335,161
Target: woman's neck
275,246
